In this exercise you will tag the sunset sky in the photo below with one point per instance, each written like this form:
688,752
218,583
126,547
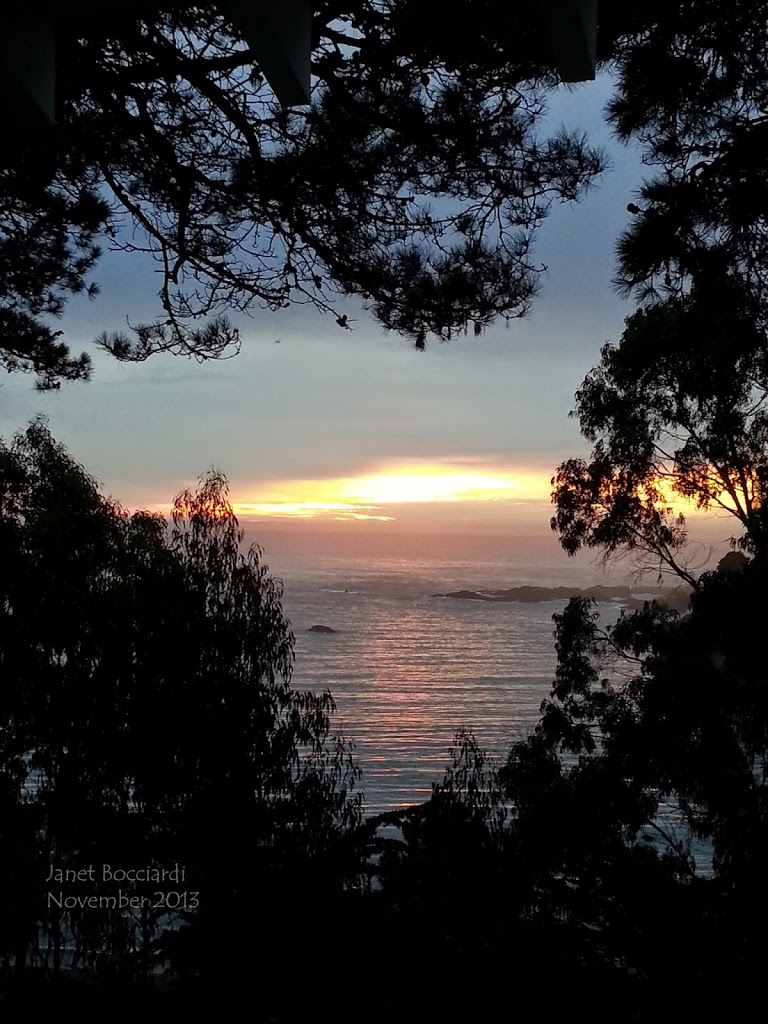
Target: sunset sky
355,429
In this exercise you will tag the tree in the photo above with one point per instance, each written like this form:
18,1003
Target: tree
147,719
415,182
677,409
640,798
692,89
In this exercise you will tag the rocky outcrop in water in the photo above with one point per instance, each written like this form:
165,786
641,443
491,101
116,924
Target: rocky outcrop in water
536,594
676,599
321,629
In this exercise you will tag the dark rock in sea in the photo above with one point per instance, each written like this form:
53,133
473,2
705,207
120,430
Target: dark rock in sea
321,629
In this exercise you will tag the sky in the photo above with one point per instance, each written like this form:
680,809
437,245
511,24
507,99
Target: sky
355,430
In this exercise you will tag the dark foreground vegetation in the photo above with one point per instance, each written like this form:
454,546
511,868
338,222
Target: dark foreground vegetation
148,724
146,714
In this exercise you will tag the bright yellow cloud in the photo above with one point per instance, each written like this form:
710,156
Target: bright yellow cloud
397,488
369,496
305,510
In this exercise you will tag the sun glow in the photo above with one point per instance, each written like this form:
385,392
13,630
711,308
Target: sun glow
377,496
666,496
307,510
399,488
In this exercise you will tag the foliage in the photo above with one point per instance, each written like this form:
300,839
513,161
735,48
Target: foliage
639,799
465,815
415,181
693,91
147,717
676,410
437,880
651,752
50,217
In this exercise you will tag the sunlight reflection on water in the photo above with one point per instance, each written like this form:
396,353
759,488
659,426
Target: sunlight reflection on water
407,669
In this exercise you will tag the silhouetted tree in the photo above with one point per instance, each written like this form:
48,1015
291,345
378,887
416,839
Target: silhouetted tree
679,405
415,182
147,718
639,800
677,410
444,877
693,90
169,141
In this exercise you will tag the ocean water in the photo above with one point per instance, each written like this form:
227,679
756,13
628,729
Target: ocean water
407,669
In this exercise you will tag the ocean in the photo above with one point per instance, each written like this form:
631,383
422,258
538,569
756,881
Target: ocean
406,668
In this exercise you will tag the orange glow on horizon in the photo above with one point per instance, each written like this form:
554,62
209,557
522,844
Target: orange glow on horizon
371,496
681,504
307,510
438,493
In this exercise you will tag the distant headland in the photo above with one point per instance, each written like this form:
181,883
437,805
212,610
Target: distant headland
676,598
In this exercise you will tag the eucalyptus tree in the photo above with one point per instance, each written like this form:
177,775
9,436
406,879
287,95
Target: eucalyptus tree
677,408
639,799
147,720
676,412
